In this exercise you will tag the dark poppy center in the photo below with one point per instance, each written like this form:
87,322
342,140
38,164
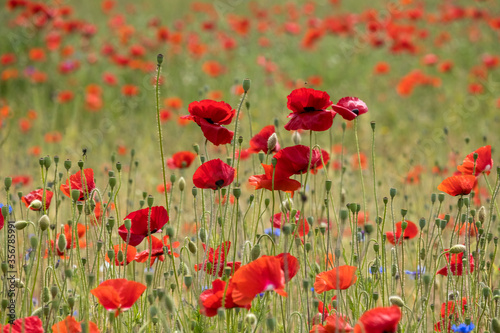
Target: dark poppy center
356,111
209,120
309,108
219,183
154,230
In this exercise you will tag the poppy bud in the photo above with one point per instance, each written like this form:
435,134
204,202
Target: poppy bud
375,296
45,295
267,201
182,184
495,325
372,124
459,248
67,165
169,303
196,148
188,280
159,59
392,192
5,303
486,292
296,138
246,85
396,300
112,182
194,191
441,197
41,161
91,279
203,235
328,185
150,201
272,142
75,195
80,164
433,197
308,247
287,229
71,301
271,324
192,247
261,157
202,159
118,166
7,182
47,162
481,215
344,125
170,231
343,214
61,242
421,223
4,267
255,252
251,319
376,247
20,225
34,242
149,278
237,192
403,212
305,284
53,291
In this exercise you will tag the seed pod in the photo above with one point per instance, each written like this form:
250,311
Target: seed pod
255,252
20,225
192,247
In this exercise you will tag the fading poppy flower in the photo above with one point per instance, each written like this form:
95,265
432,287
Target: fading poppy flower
484,162
118,294
333,324
350,107
70,325
263,274
24,325
211,299
282,182
458,185
128,254
309,112
339,278
37,195
210,115
139,229
410,232
157,250
181,160
295,160
379,320
213,174
82,181
259,141
456,264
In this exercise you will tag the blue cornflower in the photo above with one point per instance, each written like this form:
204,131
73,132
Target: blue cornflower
464,328
414,274
269,231
10,207
380,269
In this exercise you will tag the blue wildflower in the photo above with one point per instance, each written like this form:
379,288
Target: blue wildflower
269,231
380,269
414,274
464,328
10,207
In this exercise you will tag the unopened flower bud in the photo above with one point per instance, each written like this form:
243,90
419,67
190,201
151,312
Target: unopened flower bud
272,142
20,225
296,138
459,248
396,300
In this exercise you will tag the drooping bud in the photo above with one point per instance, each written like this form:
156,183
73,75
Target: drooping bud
459,248
272,142
396,300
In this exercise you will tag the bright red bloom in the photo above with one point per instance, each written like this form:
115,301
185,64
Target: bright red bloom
70,325
484,163
156,250
458,185
128,255
210,115
211,299
277,218
24,325
379,320
139,229
282,181
259,141
181,160
334,324
38,195
339,278
2,223
118,294
263,274
350,107
309,110
456,264
289,265
216,261
213,174
447,317
84,182
411,231
295,160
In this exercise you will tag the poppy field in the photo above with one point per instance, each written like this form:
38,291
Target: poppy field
249,166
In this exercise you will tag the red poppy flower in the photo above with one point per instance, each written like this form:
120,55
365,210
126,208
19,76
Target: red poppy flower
458,185
456,264
24,325
350,107
181,160
379,320
128,255
309,110
2,223
339,278
21,180
277,219
263,274
118,294
210,115
84,182
37,195
139,229
282,182
156,250
70,325
211,299
216,261
295,160
213,174
484,163
411,231
289,265
334,324
259,141
302,229
447,317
